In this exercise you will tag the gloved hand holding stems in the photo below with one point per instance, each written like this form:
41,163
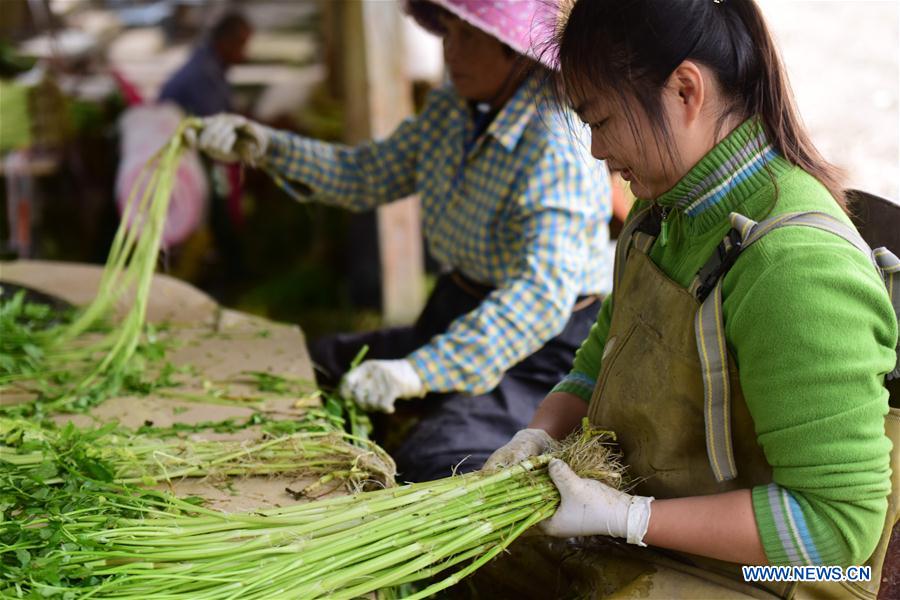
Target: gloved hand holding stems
230,138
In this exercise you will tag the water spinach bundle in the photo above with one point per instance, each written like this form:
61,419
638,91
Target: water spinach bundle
343,547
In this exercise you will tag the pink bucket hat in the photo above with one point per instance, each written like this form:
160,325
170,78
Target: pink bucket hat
523,25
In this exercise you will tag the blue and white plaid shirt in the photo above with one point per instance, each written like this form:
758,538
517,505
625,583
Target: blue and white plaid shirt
524,211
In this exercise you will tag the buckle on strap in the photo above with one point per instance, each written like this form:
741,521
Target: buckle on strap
889,265
726,254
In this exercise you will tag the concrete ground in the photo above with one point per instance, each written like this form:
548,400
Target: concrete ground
843,60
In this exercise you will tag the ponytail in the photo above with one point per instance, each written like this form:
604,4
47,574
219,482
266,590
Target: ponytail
770,96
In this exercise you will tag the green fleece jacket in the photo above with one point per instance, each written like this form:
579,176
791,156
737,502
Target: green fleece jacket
811,328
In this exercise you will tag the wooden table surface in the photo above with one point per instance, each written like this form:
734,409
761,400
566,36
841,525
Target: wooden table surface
221,344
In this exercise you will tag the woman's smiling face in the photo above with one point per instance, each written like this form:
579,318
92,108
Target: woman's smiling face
655,150
623,136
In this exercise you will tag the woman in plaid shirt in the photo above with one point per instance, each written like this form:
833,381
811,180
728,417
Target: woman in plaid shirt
512,206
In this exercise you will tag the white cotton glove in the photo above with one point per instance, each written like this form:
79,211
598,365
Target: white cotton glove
526,442
589,507
230,138
376,384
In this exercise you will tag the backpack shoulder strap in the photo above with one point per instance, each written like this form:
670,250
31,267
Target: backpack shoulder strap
709,325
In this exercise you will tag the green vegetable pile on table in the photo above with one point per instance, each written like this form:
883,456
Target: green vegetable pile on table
153,545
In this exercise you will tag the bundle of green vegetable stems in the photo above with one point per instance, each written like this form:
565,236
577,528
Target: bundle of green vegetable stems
112,453
80,362
336,548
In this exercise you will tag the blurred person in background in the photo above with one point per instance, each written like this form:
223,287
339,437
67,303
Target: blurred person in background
511,205
200,86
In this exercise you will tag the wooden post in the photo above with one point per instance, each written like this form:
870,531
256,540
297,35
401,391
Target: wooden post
378,96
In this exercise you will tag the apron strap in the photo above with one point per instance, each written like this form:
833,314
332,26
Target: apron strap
709,326
709,330
624,243
643,241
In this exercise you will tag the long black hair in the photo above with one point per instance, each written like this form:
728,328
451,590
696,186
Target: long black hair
631,47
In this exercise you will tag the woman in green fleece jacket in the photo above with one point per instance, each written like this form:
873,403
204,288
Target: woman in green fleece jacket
777,455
